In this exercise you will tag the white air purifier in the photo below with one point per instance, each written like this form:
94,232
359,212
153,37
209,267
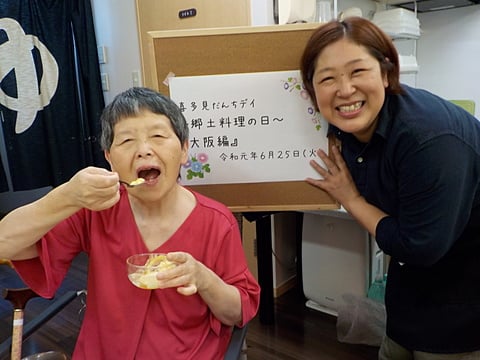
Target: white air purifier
336,259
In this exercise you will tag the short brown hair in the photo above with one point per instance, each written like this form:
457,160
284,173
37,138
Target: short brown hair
362,32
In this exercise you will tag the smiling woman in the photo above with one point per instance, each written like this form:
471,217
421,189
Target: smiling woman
349,92
392,174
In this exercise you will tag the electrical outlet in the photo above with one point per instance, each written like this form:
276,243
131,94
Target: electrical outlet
105,83
102,54
135,78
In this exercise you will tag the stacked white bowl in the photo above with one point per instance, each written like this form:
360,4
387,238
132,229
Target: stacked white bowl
398,23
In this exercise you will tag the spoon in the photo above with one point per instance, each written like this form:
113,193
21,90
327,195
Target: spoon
134,183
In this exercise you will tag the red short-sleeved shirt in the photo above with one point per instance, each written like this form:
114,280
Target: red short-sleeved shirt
125,322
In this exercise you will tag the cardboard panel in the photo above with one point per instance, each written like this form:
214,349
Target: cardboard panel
184,14
231,51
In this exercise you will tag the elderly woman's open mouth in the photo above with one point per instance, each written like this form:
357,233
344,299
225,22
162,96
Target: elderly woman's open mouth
148,174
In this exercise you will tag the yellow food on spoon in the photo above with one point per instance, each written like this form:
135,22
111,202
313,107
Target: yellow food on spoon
137,182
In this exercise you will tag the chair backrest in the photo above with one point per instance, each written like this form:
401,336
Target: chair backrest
237,342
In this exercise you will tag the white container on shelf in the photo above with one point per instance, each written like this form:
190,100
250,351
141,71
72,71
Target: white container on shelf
323,12
395,15
293,11
398,23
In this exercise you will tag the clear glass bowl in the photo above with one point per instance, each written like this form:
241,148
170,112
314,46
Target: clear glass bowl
142,269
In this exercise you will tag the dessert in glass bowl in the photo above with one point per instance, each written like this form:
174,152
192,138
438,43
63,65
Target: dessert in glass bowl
142,269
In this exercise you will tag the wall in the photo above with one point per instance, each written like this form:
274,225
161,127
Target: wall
448,53
116,29
262,12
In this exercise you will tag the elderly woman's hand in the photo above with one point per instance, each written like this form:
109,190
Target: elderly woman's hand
189,276
93,188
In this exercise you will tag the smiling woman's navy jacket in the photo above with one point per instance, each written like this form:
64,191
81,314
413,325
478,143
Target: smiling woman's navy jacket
422,167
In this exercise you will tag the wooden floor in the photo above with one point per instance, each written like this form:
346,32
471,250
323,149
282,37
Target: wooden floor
301,333
298,332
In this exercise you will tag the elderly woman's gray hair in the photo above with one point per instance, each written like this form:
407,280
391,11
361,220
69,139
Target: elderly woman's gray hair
132,103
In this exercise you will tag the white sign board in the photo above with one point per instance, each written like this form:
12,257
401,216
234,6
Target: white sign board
248,128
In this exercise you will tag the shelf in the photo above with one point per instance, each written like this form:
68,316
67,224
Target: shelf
429,5
403,36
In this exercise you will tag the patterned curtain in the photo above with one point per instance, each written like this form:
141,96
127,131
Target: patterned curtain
50,91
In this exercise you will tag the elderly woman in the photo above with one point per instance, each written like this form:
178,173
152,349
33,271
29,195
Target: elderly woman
190,316
406,166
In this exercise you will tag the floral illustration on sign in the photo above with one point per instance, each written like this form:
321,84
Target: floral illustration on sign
197,166
293,84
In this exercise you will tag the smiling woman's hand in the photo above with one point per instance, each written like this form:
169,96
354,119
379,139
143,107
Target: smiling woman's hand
336,179
338,182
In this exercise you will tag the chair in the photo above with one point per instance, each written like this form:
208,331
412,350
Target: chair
19,298
467,105
237,344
